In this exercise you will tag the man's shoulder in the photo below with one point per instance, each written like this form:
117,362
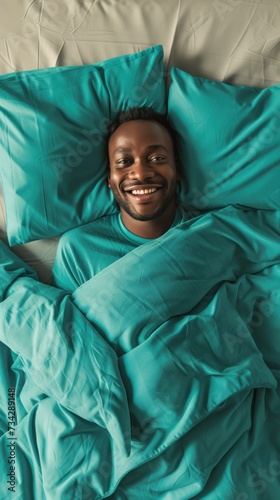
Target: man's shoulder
103,225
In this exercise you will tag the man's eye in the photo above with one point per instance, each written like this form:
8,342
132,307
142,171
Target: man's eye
123,161
157,158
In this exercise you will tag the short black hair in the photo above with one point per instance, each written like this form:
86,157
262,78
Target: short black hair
142,113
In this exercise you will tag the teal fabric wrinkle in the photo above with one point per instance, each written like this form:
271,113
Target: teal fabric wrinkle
229,229
195,369
57,358
102,242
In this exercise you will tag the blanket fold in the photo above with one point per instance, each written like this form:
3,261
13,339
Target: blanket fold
154,375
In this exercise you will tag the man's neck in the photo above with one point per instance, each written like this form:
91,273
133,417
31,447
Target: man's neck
149,229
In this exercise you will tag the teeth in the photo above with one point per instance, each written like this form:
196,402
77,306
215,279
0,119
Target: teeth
144,191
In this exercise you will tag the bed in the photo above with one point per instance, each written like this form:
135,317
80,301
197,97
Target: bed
159,377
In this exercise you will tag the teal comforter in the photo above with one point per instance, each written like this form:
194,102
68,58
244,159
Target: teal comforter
156,379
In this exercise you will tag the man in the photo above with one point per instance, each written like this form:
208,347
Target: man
143,176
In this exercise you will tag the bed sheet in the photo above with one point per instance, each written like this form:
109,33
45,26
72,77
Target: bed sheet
229,310
191,382
236,41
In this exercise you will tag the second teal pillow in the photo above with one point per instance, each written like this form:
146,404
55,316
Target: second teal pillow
228,142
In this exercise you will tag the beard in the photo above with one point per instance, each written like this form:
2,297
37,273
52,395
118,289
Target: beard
125,204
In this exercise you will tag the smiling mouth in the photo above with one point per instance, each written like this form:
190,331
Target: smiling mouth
143,195
142,191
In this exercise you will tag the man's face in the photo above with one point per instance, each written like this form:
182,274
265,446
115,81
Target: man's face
142,172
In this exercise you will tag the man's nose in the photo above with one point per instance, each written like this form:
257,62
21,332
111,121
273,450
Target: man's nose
141,170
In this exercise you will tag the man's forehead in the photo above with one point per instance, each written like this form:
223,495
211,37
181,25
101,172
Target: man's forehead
140,125
149,131
130,149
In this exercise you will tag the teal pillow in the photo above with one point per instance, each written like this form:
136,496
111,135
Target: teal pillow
228,142
53,140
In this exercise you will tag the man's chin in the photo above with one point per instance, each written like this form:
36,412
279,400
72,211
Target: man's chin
145,211
144,216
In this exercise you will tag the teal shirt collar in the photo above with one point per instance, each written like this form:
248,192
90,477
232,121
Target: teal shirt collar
137,239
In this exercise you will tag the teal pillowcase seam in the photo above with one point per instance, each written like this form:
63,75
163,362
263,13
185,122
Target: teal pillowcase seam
115,61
